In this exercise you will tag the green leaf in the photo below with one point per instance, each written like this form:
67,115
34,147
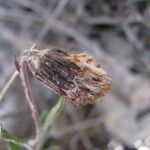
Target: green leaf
55,111
43,116
13,146
9,137
46,134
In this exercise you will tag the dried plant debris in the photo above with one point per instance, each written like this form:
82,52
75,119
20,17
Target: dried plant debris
74,76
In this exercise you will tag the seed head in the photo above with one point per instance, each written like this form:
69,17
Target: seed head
74,76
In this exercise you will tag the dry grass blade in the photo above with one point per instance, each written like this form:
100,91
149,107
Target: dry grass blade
8,84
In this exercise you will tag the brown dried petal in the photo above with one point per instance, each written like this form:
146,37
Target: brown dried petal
74,76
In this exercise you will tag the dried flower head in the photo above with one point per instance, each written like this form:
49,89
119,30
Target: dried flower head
74,76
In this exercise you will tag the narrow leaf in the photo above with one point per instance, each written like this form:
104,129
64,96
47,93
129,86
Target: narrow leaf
43,116
13,146
55,111
9,137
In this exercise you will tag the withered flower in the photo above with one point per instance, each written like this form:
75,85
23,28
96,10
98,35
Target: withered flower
74,76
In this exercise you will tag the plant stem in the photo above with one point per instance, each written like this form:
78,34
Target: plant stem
7,85
29,97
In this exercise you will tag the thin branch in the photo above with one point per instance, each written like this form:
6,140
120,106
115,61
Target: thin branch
76,127
115,20
58,10
83,136
8,84
132,37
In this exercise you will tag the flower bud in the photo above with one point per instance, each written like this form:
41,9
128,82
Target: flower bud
74,76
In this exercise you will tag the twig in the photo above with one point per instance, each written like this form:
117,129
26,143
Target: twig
8,84
54,16
76,127
83,137
138,44
29,97
74,142
133,39
115,20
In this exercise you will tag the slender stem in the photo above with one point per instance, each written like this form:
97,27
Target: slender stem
6,87
29,97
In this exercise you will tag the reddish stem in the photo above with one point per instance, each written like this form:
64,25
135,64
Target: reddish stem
29,97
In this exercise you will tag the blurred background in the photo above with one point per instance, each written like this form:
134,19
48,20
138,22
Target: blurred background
117,34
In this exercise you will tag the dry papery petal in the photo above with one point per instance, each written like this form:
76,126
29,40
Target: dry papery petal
74,76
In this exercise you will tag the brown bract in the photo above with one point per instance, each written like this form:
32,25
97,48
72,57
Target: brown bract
74,76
